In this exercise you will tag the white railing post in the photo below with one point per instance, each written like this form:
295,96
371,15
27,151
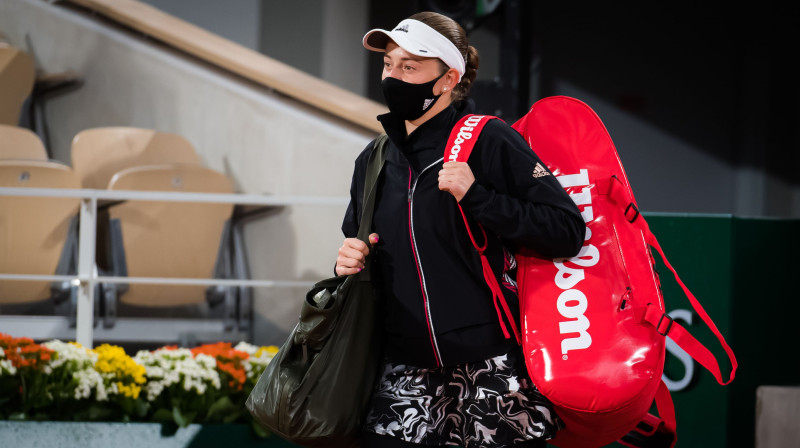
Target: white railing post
86,272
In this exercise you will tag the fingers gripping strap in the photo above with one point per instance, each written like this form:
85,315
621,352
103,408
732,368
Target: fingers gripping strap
374,166
654,315
459,146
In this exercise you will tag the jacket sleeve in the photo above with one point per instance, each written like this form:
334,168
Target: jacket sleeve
352,216
517,197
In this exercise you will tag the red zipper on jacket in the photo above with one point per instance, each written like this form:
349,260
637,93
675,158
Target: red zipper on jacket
426,302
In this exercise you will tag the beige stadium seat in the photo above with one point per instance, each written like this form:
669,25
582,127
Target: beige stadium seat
33,230
99,153
17,76
20,143
168,239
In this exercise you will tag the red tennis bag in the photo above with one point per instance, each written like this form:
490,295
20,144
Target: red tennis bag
594,326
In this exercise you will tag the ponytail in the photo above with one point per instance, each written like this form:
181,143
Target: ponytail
473,62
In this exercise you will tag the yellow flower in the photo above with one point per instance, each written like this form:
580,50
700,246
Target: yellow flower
129,391
270,350
120,369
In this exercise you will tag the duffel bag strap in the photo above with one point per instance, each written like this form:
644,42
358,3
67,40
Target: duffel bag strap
375,164
374,168
654,314
459,147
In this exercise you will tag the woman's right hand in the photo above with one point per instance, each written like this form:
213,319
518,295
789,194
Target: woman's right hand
352,255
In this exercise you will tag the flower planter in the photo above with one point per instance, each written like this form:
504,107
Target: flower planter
25,434
51,384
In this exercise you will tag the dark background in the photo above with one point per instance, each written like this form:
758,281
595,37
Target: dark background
722,80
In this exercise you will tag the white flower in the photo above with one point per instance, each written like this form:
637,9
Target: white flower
89,380
255,365
67,352
7,368
82,361
165,368
250,349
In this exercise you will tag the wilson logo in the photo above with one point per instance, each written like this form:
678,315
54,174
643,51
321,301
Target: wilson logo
572,303
464,134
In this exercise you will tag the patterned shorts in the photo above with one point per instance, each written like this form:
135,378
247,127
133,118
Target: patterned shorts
490,403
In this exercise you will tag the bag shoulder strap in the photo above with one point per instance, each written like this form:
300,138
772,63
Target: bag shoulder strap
375,164
459,146
463,137
374,167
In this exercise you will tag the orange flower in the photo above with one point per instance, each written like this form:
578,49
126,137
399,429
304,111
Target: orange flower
23,352
229,360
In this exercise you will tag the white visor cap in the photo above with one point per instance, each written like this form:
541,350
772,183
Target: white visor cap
418,39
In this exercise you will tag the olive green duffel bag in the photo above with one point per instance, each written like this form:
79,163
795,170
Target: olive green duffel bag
315,391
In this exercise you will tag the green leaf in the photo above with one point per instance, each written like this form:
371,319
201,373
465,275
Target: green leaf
162,415
222,405
98,412
18,416
183,419
190,417
232,417
259,430
179,418
140,408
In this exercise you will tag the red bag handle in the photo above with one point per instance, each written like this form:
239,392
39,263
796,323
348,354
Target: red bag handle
459,146
653,314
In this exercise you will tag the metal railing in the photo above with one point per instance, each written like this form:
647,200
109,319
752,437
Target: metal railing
87,277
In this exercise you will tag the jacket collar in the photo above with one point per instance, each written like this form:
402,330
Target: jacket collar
431,133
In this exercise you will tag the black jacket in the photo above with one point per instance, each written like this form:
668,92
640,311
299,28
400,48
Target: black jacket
439,309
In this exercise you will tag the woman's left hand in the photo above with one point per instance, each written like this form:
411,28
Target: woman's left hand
456,178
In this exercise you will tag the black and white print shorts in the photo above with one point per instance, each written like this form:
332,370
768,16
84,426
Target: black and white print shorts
490,403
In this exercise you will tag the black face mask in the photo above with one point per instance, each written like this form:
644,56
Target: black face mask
409,101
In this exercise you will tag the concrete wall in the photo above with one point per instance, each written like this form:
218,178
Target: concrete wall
777,413
267,143
30,434
320,37
236,20
687,179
